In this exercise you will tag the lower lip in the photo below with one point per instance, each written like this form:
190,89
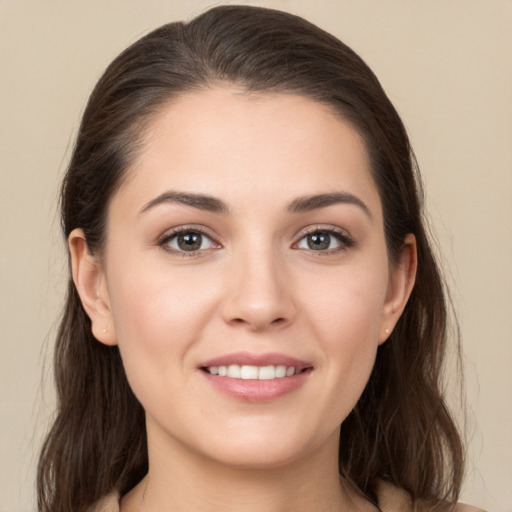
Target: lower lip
257,390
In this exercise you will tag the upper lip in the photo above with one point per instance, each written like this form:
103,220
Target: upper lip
251,359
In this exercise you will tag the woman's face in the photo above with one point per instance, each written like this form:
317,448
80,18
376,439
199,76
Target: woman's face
245,276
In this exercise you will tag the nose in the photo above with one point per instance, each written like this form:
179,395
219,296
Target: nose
259,293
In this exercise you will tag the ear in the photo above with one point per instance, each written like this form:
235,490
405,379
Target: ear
402,276
89,279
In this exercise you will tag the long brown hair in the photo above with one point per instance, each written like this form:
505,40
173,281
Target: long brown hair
400,429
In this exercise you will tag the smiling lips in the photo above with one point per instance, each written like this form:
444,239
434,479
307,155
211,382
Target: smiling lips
256,378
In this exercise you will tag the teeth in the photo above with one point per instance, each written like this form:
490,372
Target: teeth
267,372
281,371
248,372
233,371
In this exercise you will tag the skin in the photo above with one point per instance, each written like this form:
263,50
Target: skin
254,286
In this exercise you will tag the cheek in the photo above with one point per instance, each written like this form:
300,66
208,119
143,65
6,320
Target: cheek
158,315
346,319
346,309
153,300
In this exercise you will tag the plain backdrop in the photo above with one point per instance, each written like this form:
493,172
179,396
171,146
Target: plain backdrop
447,66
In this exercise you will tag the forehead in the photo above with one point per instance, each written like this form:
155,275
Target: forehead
226,142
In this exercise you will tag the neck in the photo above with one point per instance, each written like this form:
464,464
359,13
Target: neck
180,480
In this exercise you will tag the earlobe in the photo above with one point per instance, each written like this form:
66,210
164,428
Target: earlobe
401,283
89,279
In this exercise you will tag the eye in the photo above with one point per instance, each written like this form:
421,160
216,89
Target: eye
326,240
187,241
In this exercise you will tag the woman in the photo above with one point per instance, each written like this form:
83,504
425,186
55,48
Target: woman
255,320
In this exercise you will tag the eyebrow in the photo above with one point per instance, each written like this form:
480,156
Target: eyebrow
212,204
314,202
199,201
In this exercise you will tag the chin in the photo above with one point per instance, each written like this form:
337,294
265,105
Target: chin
258,457
269,446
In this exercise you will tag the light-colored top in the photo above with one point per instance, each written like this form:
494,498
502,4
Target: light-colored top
393,499
390,499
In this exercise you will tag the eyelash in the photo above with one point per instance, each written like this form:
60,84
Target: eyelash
346,242
164,240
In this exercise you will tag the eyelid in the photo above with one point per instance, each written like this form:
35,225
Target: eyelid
168,235
341,234
327,228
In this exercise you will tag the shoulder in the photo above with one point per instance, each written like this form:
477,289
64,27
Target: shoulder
393,499
109,503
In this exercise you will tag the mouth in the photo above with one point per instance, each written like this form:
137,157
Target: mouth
256,377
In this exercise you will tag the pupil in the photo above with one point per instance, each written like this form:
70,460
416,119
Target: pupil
190,241
319,241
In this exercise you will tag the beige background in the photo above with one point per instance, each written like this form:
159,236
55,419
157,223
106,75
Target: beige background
447,65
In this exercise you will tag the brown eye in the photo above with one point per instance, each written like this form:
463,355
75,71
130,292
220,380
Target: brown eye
319,241
188,241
